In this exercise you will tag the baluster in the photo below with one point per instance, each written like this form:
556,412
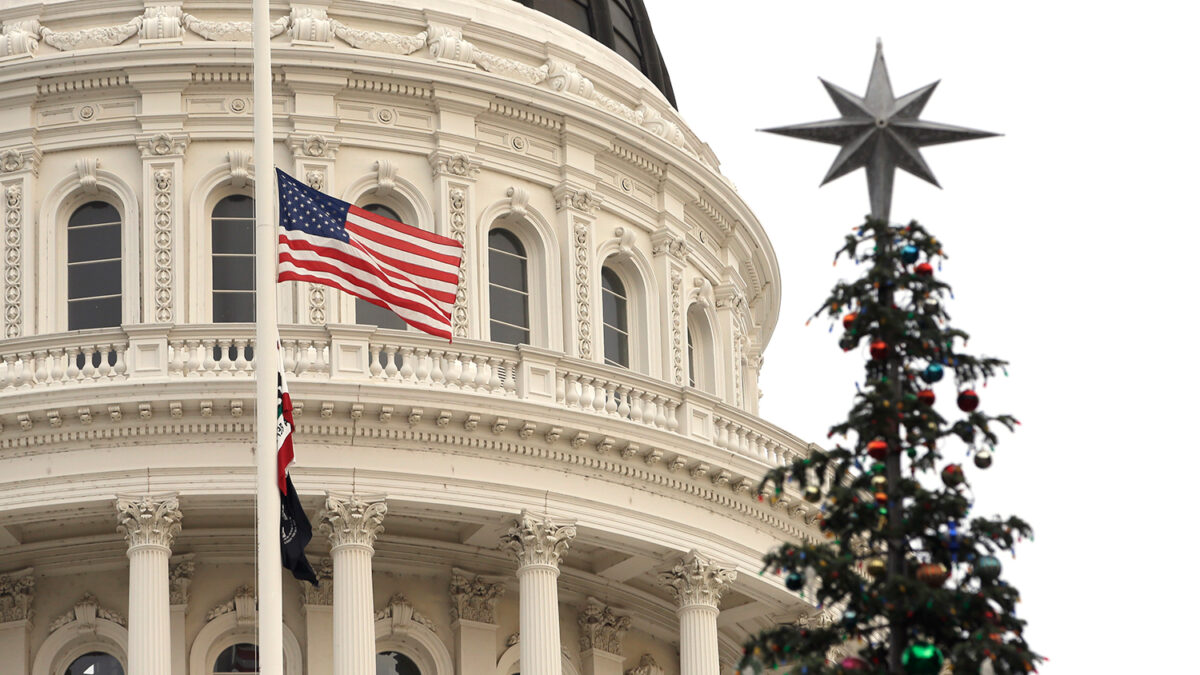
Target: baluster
10,371
120,368
495,384
389,367
72,365
40,373
660,411
510,379
288,356
743,441
560,387
210,363
454,370
437,376
407,370
572,397
481,373
587,394
600,400
422,366
623,408
194,358
637,408
649,409
88,369
672,415
224,362
321,347
610,398
241,364
103,367
374,367
303,358
56,366
175,358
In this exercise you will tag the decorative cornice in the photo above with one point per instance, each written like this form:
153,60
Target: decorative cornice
350,520
537,540
697,580
321,594
16,595
472,598
149,520
401,613
585,201
19,158
600,628
180,578
87,612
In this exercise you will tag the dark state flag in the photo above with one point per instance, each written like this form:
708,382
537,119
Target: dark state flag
294,529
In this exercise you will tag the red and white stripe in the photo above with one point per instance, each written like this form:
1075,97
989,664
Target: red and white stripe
405,269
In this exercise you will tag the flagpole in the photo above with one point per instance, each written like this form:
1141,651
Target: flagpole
266,355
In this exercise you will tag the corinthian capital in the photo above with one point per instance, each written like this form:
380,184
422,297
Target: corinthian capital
601,628
350,520
697,580
537,540
16,595
149,520
472,597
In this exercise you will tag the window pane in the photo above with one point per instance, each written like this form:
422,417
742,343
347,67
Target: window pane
233,273
88,280
616,347
395,663
569,12
240,658
93,313
381,210
508,334
93,213
233,307
622,21
509,306
368,314
627,50
609,281
691,359
235,206
96,242
95,663
614,311
507,270
232,236
503,240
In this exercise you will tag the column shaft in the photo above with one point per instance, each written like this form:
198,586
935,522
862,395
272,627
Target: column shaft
698,640
149,611
541,643
353,611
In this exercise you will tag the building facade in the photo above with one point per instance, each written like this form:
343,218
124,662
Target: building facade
569,487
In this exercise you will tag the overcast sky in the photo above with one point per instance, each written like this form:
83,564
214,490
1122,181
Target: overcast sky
1072,249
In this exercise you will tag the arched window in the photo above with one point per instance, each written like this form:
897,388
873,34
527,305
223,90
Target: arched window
366,313
616,318
691,358
238,658
233,259
95,663
508,286
700,350
94,267
395,663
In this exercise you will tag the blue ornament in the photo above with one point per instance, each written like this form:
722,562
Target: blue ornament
933,372
794,581
909,254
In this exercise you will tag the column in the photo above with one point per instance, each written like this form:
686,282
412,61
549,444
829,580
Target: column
538,544
150,523
16,620
697,583
352,522
600,633
473,619
577,207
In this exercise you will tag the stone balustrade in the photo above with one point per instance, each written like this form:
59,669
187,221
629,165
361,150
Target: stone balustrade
348,354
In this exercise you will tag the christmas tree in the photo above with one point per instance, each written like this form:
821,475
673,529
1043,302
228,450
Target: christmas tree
909,580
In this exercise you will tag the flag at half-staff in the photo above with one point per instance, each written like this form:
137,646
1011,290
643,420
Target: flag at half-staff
295,530
324,240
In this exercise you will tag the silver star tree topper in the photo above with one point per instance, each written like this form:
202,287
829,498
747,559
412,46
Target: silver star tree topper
880,132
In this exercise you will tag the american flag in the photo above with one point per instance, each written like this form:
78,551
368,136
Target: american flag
327,241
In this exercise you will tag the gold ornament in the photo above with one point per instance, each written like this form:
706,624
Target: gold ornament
812,493
876,567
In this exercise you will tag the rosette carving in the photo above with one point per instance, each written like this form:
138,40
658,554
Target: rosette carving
537,540
149,520
697,580
349,520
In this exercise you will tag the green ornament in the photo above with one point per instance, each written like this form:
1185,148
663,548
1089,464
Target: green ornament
922,659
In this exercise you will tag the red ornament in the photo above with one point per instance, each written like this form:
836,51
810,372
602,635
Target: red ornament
879,350
853,663
881,497
848,320
924,270
952,475
968,400
933,574
877,449
926,397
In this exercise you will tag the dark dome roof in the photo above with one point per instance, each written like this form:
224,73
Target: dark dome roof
621,25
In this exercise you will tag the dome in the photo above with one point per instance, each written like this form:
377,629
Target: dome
620,25
569,486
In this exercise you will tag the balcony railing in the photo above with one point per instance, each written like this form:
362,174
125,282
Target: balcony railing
346,354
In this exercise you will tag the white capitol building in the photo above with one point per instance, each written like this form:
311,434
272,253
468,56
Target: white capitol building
569,488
